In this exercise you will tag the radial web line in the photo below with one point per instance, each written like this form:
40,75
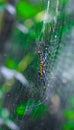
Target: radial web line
40,37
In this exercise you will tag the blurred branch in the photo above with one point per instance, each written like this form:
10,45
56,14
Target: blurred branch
10,76
10,124
8,23
22,28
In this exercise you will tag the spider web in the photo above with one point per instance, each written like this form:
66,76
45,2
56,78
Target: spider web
57,46
57,78
49,43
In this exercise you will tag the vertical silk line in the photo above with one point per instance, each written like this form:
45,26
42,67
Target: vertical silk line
40,37
45,17
57,12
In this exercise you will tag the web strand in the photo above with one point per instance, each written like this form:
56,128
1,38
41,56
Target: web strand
40,37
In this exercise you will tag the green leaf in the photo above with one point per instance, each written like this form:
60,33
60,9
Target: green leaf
20,109
69,114
64,1
68,126
26,9
38,111
11,63
27,60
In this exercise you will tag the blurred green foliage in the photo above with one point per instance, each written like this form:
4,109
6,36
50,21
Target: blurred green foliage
69,125
31,107
25,9
69,115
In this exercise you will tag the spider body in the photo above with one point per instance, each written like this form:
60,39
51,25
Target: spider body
41,63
